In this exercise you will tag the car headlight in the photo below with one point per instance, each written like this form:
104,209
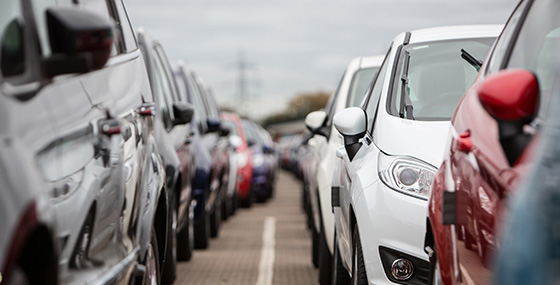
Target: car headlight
258,159
407,175
242,159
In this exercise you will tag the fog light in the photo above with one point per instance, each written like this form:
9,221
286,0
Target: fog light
402,269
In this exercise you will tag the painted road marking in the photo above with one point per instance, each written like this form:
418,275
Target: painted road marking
266,265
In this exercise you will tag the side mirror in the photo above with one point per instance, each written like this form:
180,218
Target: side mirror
80,40
512,98
183,113
235,141
268,149
314,121
224,132
351,123
213,125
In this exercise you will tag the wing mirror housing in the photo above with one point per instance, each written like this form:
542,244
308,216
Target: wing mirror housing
183,113
235,141
512,98
80,40
315,122
351,123
213,125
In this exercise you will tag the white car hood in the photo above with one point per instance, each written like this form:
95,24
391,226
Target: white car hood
424,140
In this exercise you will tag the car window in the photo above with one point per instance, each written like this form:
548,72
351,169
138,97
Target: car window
373,99
437,77
502,45
12,50
537,46
123,24
163,89
200,114
360,82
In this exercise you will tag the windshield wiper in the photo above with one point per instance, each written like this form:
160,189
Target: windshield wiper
405,99
476,63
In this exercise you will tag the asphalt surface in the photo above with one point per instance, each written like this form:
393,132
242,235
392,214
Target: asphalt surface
266,244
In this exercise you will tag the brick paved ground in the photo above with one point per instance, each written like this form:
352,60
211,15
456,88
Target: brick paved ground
233,258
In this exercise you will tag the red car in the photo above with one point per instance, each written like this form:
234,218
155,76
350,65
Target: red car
490,145
242,156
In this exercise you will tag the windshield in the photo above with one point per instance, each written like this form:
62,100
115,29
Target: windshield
434,78
537,46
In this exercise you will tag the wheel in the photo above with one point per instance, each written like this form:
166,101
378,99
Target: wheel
434,276
168,273
314,245
202,231
340,275
185,238
483,250
325,259
359,276
225,208
151,261
216,218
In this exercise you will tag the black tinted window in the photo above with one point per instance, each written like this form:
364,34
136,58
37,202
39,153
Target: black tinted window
12,50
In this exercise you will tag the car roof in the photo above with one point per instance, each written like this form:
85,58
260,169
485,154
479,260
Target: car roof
450,33
371,61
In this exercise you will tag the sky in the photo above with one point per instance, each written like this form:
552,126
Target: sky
291,47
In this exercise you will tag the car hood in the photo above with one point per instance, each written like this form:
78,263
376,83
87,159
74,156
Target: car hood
424,140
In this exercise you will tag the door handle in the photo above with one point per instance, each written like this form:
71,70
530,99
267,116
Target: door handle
147,109
464,143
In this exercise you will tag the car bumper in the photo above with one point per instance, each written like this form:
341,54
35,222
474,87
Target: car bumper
393,221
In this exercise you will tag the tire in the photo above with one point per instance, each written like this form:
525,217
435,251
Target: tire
314,245
202,231
151,261
434,276
325,259
185,238
169,270
234,203
359,276
216,218
340,275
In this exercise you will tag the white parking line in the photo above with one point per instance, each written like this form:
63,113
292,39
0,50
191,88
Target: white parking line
266,265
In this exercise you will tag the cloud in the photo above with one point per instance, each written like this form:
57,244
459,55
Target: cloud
293,45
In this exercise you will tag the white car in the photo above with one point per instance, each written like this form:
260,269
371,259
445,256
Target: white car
392,146
351,90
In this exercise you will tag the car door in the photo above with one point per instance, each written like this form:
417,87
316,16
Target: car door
348,169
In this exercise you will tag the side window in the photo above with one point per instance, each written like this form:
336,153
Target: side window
502,45
329,107
373,99
168,90
360,82
123,24
196,96
162,89
12,49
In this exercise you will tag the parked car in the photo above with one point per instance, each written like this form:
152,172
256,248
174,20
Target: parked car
352,87
78,109
210,180
262,183
242,159
489,147
399,134
172,134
